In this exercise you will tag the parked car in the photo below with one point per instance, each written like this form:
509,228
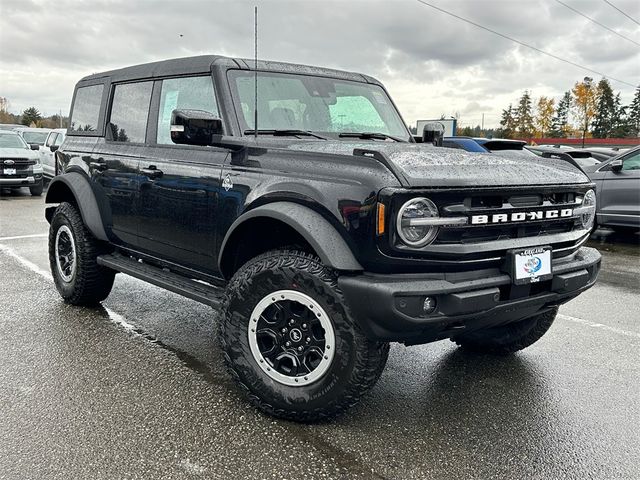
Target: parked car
19,165
480,144
10,126
315,225
35,137
618,190
47,151
584,158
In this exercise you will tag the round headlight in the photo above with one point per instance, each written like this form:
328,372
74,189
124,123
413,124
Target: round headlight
588,209
408,224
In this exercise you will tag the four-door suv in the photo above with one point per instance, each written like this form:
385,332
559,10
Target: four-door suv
294,200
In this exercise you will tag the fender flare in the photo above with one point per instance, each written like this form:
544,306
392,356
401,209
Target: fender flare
85,198
323,237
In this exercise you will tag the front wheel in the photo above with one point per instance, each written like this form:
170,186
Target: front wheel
36,190
509,338
291,343
73,251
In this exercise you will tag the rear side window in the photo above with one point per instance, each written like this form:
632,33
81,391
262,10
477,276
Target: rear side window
86,109
130,111
189,93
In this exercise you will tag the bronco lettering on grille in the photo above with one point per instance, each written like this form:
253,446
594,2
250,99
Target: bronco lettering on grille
521,216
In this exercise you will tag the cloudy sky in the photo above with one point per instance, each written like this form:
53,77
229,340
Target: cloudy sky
431,63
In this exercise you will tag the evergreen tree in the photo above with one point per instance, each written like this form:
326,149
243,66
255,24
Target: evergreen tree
507,122
604,120
560,123
620,125
634,114
524,116
31,115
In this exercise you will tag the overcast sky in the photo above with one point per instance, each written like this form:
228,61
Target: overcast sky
431,63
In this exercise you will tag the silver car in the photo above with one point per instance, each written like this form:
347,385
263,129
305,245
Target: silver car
618,189
47,151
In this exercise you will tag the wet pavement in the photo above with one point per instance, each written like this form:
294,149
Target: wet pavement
137,389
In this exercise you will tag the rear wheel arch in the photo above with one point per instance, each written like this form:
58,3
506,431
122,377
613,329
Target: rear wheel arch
283,224
75,188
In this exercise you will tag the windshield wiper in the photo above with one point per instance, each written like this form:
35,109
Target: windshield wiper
370,135
284,132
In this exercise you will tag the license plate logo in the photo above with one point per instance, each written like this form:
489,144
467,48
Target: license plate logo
532,265
9,171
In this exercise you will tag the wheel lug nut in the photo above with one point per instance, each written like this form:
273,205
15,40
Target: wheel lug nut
304,325
308,339
291,322
299,349
288,344
284,330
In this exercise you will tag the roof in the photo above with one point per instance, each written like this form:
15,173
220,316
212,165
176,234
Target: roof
204,63
32,129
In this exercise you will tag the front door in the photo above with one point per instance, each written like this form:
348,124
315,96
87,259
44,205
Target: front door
620,196
179,184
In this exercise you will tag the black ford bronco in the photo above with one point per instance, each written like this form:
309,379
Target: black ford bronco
295,201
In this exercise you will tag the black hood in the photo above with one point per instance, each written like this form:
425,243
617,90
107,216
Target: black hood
421,165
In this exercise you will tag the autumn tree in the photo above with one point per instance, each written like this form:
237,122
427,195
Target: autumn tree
584,104
544,114
507,122
31,115
524,115
634,114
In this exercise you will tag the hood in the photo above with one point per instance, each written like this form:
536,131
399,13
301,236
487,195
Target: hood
420,165
18,153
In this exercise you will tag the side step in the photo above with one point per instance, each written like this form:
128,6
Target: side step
200,292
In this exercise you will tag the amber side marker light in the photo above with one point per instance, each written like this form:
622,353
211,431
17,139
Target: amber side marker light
380,228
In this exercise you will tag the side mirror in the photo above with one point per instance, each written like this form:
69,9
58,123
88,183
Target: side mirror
53,148
616,165
194,127
433,133
34,146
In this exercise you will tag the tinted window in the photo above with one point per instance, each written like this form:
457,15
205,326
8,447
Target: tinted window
86,109
190,93
129,112
632,162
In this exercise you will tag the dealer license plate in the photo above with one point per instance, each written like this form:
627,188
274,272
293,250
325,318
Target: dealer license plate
531,265
9,171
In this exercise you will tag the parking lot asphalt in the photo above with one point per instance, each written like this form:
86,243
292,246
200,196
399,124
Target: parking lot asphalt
137,389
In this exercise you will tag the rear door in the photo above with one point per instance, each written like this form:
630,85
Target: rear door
116,159
620,195
46,155
179,184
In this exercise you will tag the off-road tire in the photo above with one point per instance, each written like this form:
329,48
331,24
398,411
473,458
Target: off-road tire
91,283
509,338
37,189
357,363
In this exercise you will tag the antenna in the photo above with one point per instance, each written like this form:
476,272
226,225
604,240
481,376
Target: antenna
255,73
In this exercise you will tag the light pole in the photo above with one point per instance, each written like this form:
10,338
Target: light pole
587,83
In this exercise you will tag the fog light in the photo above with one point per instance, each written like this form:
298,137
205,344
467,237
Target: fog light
429,305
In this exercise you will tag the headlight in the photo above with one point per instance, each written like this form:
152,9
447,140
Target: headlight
587,210
412,224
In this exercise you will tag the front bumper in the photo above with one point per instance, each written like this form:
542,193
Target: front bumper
20,181
390,307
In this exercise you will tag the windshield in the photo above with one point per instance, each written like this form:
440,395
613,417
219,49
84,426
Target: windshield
322,105
12,141
35,137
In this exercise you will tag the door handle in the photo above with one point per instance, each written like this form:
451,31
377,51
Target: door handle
152,171
100,166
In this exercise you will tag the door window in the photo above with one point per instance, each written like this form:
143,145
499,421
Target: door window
130,111
51,139
59,140
632,162
86,109
189,93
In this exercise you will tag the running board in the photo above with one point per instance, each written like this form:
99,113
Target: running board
200,292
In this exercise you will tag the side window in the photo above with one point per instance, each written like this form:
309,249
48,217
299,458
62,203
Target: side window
51,139
632,162
189,93
129,112
59,140
86,109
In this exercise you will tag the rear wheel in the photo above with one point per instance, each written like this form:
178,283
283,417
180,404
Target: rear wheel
73,251
510,338
290,342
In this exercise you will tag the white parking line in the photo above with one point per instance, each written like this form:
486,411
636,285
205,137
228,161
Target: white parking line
582,321
20,237
120,320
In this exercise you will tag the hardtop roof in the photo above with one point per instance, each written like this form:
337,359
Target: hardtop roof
203,64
